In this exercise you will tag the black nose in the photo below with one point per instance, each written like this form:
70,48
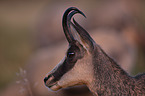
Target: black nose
45,79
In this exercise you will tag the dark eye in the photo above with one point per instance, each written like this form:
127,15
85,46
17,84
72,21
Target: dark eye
70,54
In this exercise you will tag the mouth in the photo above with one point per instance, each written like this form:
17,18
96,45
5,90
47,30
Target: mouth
51,85
49,82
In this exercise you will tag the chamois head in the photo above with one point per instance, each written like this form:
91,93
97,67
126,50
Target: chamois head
75,68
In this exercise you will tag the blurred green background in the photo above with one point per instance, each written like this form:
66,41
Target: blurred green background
19,25
16,39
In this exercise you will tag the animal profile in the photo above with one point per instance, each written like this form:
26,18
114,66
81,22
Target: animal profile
85,63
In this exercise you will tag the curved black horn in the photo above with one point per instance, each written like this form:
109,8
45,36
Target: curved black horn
66,22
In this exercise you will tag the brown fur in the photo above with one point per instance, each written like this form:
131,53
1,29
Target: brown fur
91,66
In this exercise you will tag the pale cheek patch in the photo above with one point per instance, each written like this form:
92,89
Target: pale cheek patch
81,73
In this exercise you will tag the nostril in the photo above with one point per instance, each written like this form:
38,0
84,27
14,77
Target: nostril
45,79
48,79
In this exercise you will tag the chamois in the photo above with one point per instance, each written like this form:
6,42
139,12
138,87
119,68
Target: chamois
86,63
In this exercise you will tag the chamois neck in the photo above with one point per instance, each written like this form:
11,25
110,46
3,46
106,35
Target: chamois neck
109,78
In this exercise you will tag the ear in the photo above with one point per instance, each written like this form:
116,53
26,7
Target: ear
85,38
75,35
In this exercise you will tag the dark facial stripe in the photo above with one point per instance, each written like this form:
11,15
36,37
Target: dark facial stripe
75,52
69,62
63,68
